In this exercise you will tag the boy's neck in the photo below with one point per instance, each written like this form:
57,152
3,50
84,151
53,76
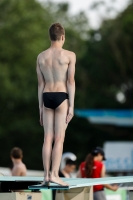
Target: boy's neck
56,44
16,161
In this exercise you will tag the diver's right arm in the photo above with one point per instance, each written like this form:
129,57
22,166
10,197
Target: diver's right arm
41,85
71,86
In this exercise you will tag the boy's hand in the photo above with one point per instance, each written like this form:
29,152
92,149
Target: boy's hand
70,115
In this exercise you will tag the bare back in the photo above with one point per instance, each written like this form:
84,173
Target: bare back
19,170
54,64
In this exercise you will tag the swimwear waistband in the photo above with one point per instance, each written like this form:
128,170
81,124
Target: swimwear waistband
55,92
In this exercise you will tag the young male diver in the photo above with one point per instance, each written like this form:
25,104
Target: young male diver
56,91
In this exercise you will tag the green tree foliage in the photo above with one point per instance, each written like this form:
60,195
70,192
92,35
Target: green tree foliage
109,64
103,67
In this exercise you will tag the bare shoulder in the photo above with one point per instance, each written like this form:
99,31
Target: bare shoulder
23,168
39,55
20,166
103,164
71,56
42,54
70,53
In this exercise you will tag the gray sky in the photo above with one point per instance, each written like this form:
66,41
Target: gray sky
94,16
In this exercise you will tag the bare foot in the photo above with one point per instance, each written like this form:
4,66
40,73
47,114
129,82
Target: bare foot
58,180
46,181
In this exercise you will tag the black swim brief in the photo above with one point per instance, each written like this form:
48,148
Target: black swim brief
54,99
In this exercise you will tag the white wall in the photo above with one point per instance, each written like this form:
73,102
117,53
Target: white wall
119,156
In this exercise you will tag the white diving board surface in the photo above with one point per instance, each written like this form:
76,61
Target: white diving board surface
33,182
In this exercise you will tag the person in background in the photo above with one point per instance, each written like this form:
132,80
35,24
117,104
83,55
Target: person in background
66,172
68,169
93,167
19,168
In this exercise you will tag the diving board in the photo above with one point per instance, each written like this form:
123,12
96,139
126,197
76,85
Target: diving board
11,182
78,187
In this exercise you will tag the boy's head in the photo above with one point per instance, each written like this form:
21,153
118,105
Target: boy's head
57,32
16,153
70,166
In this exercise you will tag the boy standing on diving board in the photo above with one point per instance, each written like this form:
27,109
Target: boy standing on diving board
56,91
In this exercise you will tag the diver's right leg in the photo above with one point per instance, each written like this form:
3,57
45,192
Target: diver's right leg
48,124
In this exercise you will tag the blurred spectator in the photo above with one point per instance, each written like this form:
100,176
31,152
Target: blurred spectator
68,169
93,167
66,172
19,168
